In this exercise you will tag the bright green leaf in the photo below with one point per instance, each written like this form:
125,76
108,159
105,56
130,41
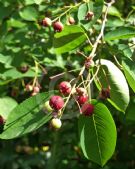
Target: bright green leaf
129,70
111,75
26,117
120,33
29,13
98,135
6,106
70,38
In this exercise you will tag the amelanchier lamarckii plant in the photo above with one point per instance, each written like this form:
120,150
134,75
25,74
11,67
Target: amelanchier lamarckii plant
96,127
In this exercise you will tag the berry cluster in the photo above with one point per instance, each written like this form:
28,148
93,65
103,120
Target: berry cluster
56,103
34,89
57,25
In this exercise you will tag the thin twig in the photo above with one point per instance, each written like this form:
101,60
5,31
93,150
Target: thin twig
92,54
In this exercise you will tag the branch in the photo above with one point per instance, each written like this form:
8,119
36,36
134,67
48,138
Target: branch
92,54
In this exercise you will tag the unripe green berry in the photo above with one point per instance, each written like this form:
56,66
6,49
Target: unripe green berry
56,123
47,107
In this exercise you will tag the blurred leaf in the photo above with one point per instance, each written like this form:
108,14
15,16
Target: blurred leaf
129,70
7,104
130,113
26,117
111,75
120,33
114,12
96,7
29,13
38,2
16,23
13,74
70,38
125,49
29,2
98,135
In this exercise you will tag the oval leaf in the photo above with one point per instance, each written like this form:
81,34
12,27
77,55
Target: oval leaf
112,76
26,117
29,13
70,38
98,135
121,33
129,70
7,104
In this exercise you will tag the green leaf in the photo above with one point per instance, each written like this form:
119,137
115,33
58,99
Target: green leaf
13,74
7,104
70,38
120,33
114,12
29,13
96,7
129,70
111,75
26,117
29,2
98,135
130,113
16,23
38,2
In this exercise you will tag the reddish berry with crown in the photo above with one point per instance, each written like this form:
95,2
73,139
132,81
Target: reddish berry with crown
56,102
81,91
87,109
46,22
58,26
105,93
71,20
82,99
89,15
2,120
89,63
36,89
65,88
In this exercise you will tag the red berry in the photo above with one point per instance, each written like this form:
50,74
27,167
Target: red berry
46,22
71,20
105,93
89,63
28,88
81,91
23,68
33,94
82,99
58,26
65,88
2,120
89,15
87,109
56,102
36,89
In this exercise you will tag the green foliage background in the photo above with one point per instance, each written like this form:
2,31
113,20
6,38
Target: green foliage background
22,41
